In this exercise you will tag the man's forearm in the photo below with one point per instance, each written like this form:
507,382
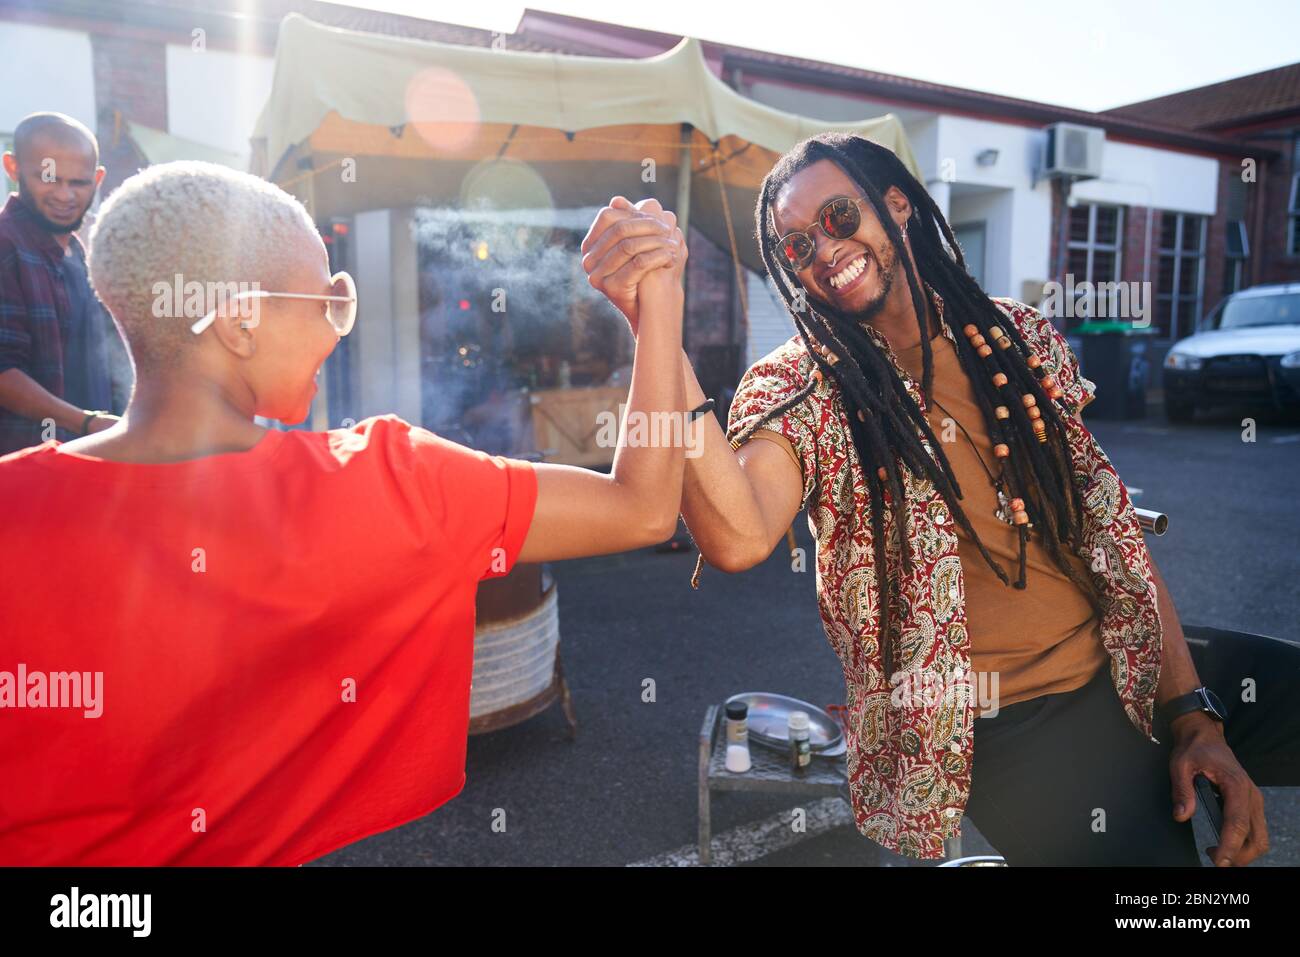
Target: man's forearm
23,395
1177,670
718,502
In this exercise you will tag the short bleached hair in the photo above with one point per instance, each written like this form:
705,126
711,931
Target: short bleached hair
204,222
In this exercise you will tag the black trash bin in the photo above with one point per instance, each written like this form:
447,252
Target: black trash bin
1116,356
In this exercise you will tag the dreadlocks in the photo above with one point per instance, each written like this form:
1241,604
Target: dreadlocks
884,420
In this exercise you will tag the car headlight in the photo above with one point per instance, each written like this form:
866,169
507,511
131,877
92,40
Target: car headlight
1291,360
1182,361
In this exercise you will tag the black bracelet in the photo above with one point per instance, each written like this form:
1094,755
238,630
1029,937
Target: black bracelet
699,410
92,414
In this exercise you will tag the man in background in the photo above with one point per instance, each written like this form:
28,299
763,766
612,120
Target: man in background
58,345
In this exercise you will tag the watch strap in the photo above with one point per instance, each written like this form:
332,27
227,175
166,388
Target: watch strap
1185,704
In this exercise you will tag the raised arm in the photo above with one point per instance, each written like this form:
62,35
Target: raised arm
737,504
582,512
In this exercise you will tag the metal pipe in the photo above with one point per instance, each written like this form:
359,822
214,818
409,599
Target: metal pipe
1157,523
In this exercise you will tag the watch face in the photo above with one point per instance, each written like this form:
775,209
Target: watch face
1215,705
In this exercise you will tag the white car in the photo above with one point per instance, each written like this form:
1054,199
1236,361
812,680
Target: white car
1247,352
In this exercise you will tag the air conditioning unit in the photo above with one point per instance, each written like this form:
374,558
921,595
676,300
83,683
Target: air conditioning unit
1073,150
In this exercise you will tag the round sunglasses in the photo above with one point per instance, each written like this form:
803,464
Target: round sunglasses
341,311
838,219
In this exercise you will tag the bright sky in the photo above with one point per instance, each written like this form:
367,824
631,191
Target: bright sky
1090,55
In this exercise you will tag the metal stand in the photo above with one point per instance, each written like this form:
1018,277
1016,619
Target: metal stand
770,772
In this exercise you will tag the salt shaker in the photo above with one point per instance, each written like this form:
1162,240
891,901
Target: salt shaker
738,737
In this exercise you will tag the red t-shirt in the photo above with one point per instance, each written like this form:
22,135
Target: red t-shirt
285,638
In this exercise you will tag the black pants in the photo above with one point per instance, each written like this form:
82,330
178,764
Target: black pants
1065,779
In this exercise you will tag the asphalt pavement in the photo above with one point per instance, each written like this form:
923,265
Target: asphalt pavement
645,655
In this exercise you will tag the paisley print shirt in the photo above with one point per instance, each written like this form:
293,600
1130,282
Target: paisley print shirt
909,756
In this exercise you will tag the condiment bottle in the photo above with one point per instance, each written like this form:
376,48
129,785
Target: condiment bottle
800,744
738,737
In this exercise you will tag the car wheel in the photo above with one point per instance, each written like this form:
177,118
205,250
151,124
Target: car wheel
1179,411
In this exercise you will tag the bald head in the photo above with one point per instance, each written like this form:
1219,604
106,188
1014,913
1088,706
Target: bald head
36,132
55,162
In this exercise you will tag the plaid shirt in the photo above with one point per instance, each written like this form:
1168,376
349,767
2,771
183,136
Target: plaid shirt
909,762
35,312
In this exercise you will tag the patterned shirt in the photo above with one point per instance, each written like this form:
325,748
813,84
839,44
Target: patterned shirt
909,757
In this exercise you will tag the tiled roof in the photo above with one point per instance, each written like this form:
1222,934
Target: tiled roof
1272,93
1162,120
580,35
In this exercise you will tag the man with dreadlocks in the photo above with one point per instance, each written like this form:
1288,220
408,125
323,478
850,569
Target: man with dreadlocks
970,531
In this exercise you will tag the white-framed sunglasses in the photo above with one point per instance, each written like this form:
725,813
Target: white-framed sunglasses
341,312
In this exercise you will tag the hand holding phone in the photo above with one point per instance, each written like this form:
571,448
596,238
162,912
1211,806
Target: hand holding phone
1211,799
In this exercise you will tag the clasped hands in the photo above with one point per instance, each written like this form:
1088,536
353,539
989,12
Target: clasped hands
629,246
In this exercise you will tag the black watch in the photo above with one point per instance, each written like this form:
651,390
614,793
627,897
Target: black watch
1201,699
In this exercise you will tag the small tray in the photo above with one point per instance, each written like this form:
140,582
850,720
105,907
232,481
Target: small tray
768,717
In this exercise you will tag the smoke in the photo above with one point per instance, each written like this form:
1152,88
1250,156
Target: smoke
505,305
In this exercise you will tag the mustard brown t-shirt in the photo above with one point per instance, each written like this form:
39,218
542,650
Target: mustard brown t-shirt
1044,639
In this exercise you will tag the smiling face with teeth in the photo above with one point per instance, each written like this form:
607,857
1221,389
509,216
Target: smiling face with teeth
865,264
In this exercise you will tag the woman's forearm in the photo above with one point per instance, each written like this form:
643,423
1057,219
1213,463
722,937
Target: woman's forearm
651,443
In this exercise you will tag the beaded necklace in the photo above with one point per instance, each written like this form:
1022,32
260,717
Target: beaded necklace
1004,512
1001,449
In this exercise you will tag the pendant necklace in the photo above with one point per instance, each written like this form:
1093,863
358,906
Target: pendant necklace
1003,511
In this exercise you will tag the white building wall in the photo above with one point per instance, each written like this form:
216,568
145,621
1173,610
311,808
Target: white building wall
388,316
769,321
993,208
1017,212
45,68
1134,175
214,96
1016,209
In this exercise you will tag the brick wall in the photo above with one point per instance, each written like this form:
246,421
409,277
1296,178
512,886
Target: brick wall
1273,263
1216,237
1133,255
1140,252
131,77
1054,239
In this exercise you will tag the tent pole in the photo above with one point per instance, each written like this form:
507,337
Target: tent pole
683,207
684,164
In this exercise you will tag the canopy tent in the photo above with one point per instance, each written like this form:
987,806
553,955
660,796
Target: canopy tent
147,145
159,146
358,121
